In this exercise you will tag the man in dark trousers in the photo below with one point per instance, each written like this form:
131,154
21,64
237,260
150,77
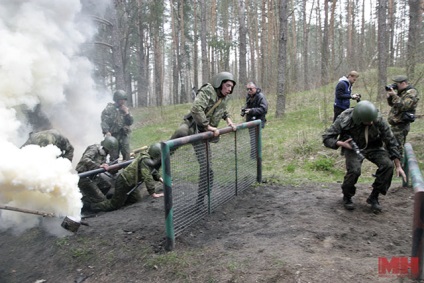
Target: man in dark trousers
343,93
256,108
370,137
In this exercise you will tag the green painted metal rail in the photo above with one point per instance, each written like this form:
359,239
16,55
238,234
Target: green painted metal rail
413,172
178,200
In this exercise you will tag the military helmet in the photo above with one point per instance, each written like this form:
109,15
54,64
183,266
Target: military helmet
155,151
119,95
110,143
364,112
219,78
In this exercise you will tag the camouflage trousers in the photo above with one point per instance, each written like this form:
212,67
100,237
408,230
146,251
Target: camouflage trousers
124,146
183,130
384,174
201,151
120,198
93,189
400,131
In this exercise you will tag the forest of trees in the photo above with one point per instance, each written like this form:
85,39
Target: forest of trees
158,50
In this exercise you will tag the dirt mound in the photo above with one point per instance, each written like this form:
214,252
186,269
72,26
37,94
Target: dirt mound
267,234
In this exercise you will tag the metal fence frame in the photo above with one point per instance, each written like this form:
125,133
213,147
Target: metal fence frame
167,146
412,170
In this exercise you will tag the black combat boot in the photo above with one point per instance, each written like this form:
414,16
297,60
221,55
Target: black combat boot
373,200
348,203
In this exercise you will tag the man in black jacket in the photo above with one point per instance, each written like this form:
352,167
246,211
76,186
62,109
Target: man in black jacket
256,105
256,108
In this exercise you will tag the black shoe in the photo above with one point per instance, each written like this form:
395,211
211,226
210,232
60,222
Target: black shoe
375,205
348,203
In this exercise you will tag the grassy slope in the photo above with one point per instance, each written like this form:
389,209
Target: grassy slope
292,148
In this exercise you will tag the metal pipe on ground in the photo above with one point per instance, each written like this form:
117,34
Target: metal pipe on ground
68,223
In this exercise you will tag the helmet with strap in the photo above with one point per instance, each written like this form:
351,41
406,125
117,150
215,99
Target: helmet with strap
364,112
120,95
110,144
219,78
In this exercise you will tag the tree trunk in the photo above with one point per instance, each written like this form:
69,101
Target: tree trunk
324,47
282,60
205,60
116,52
175,57
142,82
195,50
242,45
391,11
414,36
331,42
182,55
262,43
382,51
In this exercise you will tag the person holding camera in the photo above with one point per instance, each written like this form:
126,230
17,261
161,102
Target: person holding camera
256,104
255,108
343,93
403,99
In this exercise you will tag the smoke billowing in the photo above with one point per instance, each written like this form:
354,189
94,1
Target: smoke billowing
44,82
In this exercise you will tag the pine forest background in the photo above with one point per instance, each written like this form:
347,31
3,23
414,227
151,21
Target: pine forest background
159,50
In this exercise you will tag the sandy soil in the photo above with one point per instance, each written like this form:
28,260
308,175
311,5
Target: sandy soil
268,234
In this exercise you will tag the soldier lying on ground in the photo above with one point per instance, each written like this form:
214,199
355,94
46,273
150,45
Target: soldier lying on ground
144,168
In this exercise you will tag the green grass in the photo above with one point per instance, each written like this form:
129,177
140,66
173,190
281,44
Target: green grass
292,146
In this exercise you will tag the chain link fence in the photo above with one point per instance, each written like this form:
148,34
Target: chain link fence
204,172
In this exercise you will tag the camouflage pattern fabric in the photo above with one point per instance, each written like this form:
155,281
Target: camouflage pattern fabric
381,149
405,101
93,189
133,175
114,121
197,120
205,100
53,137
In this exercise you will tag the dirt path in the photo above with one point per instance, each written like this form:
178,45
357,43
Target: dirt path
268,234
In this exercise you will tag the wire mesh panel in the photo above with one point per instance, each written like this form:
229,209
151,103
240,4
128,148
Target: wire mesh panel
202,172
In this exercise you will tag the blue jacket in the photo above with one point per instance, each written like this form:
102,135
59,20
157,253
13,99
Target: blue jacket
343,93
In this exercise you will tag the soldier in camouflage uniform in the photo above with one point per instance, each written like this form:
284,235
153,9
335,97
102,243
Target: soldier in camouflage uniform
365,128
403,99
95,188
144,168
208,109
116,122
44,138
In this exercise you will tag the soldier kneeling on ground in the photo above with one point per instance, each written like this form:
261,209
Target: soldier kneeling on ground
144,168
95,188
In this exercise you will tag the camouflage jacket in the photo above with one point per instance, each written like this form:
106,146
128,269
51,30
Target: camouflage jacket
115,121
379,134
92,158
53,137
204,101
138,171
405,101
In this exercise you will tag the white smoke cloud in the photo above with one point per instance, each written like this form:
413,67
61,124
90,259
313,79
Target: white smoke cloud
40,63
